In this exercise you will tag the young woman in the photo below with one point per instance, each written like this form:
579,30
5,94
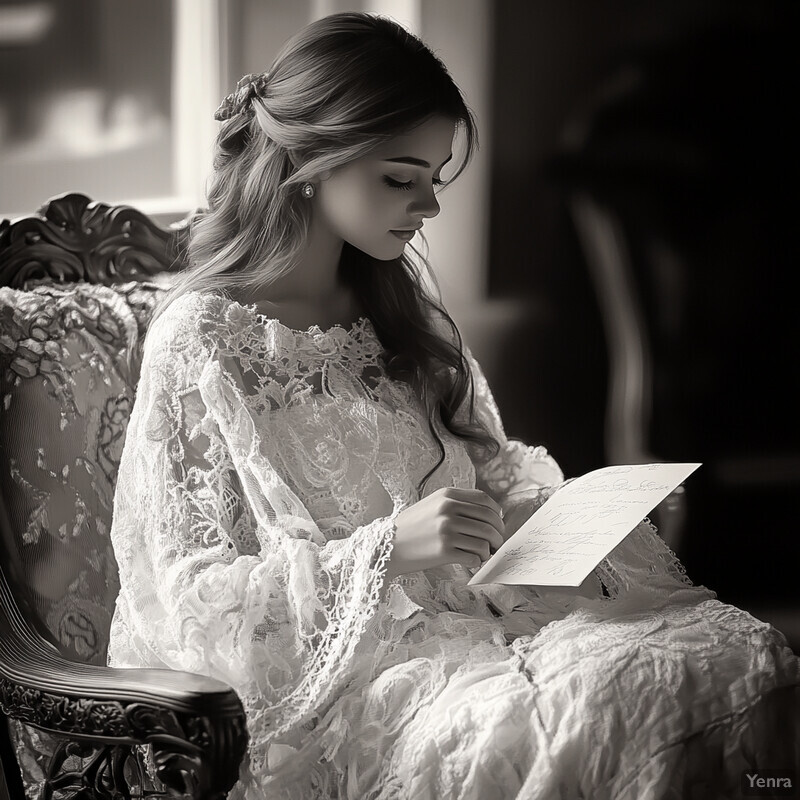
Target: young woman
315,465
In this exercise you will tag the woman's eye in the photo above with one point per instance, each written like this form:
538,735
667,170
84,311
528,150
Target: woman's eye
407,185
398,184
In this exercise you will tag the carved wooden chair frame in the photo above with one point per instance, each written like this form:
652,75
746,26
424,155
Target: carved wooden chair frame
195,725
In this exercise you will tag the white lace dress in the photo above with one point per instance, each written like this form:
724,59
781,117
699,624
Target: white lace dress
262,473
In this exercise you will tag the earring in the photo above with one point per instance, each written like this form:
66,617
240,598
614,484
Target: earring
308,190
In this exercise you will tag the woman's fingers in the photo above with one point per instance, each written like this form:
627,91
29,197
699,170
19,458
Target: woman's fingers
466,512
477,529
475,548
479,540
475,497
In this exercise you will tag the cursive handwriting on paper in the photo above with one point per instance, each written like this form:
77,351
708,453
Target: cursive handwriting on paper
579,525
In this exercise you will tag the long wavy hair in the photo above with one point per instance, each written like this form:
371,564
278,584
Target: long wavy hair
337,90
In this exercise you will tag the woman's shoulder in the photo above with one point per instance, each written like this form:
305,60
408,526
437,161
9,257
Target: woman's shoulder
184,323
190,313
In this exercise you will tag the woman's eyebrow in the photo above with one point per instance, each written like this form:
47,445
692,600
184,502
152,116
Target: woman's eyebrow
417,162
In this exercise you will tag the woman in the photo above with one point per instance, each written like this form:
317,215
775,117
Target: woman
314,467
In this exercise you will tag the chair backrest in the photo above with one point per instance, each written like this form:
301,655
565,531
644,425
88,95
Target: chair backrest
78,283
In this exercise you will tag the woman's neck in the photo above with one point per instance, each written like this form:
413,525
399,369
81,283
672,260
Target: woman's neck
315,274
311,293
338,308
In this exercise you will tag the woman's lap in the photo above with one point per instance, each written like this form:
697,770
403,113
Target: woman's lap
654,704
584,704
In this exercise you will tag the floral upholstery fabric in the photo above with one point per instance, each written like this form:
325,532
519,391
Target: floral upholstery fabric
67,388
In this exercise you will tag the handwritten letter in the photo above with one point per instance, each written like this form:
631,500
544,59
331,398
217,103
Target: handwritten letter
571,533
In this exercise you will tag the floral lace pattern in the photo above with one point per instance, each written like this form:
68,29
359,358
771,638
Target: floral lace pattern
253,519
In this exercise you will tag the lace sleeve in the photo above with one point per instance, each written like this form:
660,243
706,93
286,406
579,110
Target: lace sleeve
223,571
518,473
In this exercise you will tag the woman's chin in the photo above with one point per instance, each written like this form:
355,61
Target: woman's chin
385,253
386,248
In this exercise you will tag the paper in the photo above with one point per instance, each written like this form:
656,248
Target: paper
576,528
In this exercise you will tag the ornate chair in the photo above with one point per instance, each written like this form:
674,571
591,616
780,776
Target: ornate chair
78,282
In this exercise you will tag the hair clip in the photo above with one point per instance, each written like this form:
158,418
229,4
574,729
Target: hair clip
248,87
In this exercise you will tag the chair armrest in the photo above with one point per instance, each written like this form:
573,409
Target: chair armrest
195,724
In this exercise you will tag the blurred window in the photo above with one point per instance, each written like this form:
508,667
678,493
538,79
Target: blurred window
106,97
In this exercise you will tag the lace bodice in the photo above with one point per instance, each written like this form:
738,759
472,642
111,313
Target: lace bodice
261,477
344,438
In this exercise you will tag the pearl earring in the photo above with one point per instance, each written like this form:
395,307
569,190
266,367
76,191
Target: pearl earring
308,190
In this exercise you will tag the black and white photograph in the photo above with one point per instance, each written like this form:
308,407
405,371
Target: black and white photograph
398,400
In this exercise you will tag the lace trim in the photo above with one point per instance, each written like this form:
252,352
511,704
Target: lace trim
245,320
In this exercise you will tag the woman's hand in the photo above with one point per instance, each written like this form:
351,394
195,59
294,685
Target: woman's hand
450,526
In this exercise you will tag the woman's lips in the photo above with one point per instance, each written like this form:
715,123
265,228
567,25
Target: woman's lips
406,236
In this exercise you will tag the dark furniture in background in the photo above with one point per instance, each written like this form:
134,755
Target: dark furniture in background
644,165
673,175
80,280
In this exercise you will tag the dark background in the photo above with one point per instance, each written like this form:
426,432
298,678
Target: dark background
679,117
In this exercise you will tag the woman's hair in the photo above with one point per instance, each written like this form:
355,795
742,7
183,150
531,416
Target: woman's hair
337,90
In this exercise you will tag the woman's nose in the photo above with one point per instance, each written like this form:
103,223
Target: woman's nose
426,204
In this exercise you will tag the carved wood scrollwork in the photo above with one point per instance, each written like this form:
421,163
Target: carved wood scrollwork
72,238
104,772
192,755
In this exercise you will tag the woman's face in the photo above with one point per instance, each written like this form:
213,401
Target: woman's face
379,201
